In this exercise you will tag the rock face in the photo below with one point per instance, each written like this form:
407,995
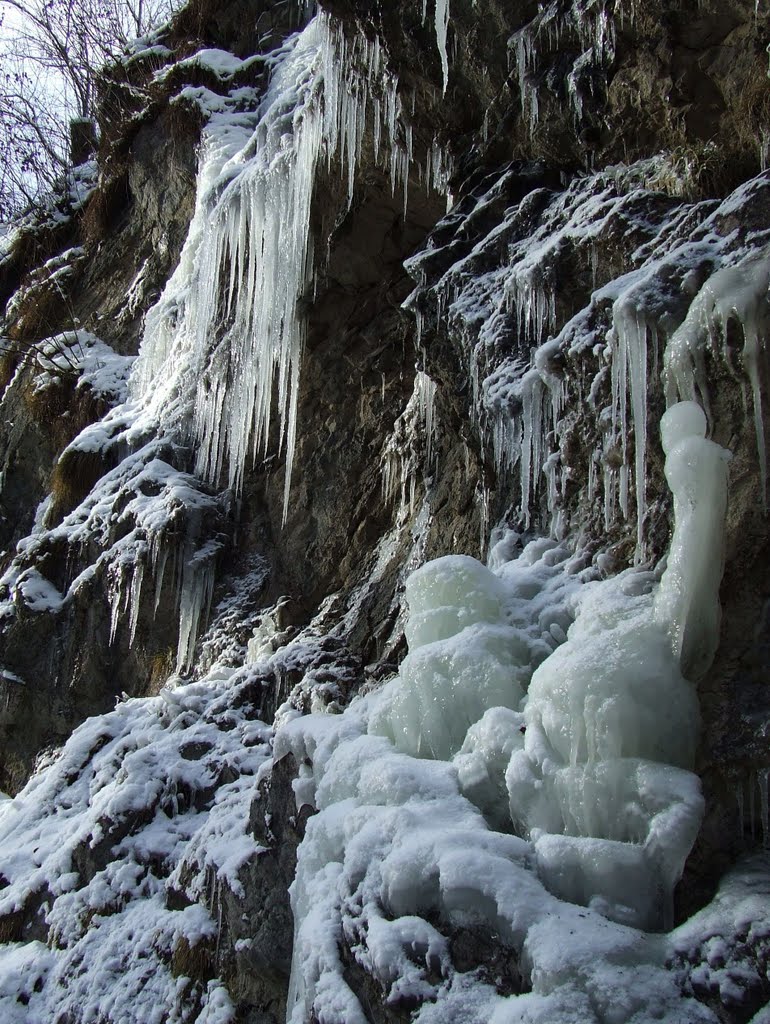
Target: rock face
530,229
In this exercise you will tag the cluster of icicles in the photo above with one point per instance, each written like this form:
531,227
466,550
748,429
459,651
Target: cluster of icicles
221,354
692,295
593,27
227,332
736,294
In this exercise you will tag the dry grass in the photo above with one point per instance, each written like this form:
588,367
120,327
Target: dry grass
9,363
12,926
161,667
73,477
688,171
197,962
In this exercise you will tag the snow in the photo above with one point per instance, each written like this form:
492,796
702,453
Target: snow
146,517
722,946
135,807
96,366
221,63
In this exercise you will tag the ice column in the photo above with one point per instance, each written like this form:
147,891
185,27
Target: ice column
740,295
603,783
687,602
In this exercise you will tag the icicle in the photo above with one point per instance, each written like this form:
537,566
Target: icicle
482,499
426,400
532,442
442,26
135,599
534,305
630,329
115,596
194,601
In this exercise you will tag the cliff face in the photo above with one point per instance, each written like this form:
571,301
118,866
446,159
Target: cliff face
413,283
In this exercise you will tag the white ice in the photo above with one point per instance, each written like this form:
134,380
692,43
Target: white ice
549,726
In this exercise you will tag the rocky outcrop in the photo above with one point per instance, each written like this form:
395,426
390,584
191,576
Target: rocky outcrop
460,371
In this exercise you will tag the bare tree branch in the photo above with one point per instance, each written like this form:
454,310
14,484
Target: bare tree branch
51,52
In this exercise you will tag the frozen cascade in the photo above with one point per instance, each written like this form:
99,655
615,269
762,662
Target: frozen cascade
504,706
200,337
595,743
231,309
695,299
204,334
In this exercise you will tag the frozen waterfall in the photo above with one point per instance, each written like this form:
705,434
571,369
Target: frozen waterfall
562,708
223,346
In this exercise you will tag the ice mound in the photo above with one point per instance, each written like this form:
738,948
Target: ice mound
470,647
611,720
507,715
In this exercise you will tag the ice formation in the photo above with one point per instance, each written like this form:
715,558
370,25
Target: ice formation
221,352
530,700
442,24
696,296
205,332
555,729
590,23
739,294
409,454
598,760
